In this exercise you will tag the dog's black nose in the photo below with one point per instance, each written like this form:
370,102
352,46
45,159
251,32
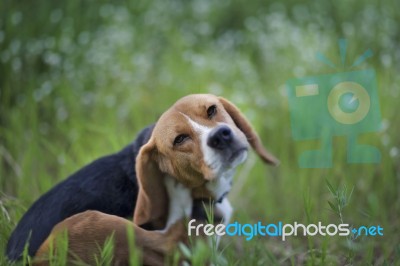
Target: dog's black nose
220,137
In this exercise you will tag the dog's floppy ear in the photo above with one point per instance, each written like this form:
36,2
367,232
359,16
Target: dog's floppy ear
152,201
252,136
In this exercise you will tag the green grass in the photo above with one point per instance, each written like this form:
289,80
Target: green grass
79,79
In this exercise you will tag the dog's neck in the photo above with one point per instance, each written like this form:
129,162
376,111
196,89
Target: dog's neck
181,198
180,201
221,185
216,189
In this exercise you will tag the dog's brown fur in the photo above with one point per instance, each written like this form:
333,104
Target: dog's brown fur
88,231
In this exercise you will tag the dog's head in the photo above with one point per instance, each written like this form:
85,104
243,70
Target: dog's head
199,141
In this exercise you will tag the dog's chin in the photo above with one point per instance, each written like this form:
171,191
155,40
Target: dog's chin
238,157
226,161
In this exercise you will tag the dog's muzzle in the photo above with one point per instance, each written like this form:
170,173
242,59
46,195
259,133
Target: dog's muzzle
220,138
223,140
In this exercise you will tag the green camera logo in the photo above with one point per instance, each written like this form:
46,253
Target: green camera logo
339,104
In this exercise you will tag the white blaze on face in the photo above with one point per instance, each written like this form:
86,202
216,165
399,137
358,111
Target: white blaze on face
222,184
211,158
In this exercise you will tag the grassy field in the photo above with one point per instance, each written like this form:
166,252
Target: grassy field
78,80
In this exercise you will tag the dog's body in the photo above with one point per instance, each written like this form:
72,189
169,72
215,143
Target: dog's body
108,184
192,154
88,232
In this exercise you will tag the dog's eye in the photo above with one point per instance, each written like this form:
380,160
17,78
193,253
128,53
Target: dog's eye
211,111
180,139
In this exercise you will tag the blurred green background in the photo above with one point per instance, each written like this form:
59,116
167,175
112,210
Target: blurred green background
79,79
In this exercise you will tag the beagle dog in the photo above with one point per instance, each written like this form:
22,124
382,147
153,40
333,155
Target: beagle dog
192,154
199,142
